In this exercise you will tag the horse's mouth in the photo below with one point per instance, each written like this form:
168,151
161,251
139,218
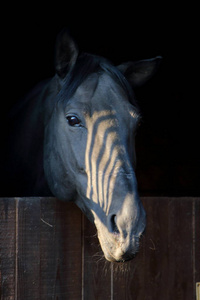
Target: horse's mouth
115,251
121,259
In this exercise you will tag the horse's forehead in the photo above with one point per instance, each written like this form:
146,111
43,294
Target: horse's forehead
88,86
99,88
100,96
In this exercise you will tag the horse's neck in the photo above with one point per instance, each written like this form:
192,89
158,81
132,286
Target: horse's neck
24,163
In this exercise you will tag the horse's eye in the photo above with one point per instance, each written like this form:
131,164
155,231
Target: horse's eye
73,121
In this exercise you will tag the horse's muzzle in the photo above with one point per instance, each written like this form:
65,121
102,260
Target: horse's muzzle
120,240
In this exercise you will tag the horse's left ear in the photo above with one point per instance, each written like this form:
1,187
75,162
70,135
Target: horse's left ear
139,72
66,53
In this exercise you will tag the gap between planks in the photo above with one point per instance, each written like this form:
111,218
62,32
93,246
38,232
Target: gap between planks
16,244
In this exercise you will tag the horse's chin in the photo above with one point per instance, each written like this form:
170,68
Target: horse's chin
118,259
116,249
118,255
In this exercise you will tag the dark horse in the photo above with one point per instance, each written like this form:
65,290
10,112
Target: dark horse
74,137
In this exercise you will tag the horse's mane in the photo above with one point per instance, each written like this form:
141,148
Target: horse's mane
86,65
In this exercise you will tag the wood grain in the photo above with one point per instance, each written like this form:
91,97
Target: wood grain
8,249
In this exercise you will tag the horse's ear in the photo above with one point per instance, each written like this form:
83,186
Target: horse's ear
139,72
66,53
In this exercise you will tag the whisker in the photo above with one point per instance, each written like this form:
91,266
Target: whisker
153,245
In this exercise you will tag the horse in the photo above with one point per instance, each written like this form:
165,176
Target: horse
73,137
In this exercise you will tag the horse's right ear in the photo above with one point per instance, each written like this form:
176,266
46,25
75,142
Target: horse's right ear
66,53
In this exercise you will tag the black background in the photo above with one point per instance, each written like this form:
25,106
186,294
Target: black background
168,160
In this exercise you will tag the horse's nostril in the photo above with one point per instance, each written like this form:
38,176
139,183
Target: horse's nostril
114,227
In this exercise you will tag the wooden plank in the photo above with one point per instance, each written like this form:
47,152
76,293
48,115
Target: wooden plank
180,241
28,249
96,270
68,252
7,248
48,265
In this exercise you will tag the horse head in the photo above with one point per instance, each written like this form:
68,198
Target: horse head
89,149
